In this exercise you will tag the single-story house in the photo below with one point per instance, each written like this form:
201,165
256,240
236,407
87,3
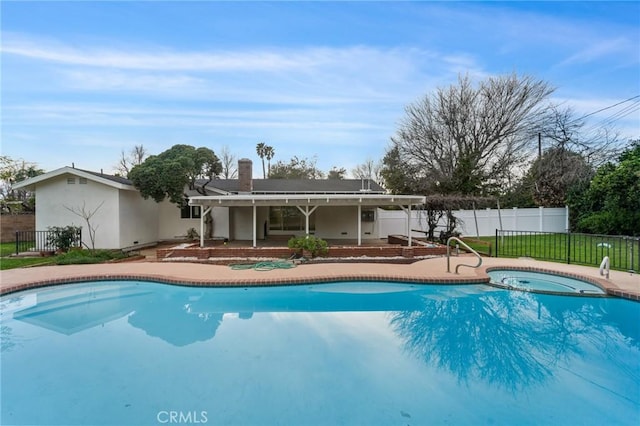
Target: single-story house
234,209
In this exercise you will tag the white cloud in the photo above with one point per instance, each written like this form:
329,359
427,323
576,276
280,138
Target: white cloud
351,58
307,75
599,50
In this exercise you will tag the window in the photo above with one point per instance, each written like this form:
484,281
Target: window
289,219
190,212
368,216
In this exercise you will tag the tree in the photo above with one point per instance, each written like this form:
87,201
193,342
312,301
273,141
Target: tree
560,129
127,162
265,151
166,175
87,215
398,178
611,203
260,150
464,139
368,170
553,175
229,164
297,168
269,152
337,173
14,171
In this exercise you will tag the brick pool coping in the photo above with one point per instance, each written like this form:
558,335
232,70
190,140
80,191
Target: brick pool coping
428,271
257,282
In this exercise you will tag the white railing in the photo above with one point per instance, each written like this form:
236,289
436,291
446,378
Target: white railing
459,241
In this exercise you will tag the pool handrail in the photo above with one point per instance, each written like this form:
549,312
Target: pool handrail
604,267
459,241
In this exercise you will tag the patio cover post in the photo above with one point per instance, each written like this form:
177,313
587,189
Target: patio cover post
255,219
201,230
202,216
409,224
359,225
408,212
306,212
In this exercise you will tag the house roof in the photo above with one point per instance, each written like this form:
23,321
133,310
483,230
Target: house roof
228,187
365,199
109,180
297,186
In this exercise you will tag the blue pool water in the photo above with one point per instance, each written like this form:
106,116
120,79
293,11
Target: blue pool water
359,353
538,281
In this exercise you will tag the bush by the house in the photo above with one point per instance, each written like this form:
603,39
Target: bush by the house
308,243
62,238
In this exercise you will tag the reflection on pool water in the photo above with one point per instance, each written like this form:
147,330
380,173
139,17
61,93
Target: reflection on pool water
544,282
345,353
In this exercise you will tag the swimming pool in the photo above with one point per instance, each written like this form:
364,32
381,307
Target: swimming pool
371,353
517,279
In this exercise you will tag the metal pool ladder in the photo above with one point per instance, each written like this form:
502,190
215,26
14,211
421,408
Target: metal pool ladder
459,241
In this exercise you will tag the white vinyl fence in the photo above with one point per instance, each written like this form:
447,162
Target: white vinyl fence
540,219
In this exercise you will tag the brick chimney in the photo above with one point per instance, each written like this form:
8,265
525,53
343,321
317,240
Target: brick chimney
245,175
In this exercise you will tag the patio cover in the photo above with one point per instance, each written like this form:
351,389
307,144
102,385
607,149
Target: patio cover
306,203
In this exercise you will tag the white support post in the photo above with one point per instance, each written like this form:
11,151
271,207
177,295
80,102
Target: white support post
306,212
409,224
202,216
359,225
255,219
201,229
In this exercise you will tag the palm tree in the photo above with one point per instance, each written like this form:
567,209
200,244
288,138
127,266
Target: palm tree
261,150
269,152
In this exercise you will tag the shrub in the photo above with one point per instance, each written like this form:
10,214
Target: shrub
309,243
192,234
75,257
63,237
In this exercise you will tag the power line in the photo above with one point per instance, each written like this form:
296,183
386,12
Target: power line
621,113
605,108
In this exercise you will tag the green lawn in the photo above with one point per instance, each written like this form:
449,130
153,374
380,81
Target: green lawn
7,249
6,262
581,249
72,257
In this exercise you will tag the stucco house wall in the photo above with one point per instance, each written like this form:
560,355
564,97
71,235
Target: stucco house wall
342,222
138,219
220,222
53,195
240,217
170,225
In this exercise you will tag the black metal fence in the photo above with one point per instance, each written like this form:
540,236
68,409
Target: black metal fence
569,247
44,240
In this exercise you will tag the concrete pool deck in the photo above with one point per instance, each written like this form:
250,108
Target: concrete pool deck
434,270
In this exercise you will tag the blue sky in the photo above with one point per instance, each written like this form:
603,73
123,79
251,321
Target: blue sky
82,81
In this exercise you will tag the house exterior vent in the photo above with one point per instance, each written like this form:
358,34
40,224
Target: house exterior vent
82,181
71,181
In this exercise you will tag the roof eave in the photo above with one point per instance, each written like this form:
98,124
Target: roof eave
31,183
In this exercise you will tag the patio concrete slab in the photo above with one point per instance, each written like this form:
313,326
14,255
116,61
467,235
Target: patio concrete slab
433,270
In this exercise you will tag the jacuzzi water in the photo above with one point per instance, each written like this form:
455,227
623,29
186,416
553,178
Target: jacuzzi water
353,353
538,281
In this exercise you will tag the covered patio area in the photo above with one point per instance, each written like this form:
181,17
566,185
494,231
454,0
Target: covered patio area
307,204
